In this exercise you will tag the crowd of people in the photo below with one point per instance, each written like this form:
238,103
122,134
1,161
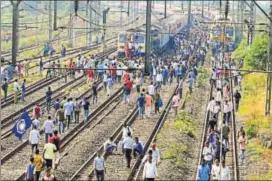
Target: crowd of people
221,110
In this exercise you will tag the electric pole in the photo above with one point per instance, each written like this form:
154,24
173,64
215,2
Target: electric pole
202,11
165,8
148,37
189,17
87,24
15,23
269,68
70,33
55,14
90,24
50,22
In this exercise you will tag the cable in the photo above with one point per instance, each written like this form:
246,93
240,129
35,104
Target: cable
35,8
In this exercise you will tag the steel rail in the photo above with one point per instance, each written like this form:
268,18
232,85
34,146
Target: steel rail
138,165
83,125
10,119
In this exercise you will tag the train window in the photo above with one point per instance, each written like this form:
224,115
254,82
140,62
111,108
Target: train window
216,31
123,38
141,39
229,31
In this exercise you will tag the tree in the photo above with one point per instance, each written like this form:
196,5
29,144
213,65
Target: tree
255,56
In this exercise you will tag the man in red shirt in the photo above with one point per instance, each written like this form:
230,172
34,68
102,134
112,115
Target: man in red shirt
37,111
129,84
126,76
55,139
113,71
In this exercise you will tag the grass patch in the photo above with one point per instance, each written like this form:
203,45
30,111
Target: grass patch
185,124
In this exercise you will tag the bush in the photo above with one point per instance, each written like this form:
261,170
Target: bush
251,131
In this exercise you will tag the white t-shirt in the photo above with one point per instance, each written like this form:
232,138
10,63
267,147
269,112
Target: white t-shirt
150,170
128,143
99,163
48,126
225,173
68,108
215,172
151,89
34,136
207,152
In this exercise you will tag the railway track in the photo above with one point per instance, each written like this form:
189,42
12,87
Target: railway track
231,156
115,162
31,47
77,129
22,151
72,53
8,119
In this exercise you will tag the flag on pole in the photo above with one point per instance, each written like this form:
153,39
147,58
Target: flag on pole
22,125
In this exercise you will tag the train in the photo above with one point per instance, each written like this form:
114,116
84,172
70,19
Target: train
219,33
161,33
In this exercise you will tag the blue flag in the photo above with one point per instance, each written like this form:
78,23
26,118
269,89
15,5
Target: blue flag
22,125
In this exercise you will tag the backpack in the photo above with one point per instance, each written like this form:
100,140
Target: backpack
160,104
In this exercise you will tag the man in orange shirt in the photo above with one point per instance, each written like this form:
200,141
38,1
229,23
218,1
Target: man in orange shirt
148,103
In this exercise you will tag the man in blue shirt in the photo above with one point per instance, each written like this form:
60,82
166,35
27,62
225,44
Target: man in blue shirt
23,88
179,73
203,171
190,82
141,103
138,147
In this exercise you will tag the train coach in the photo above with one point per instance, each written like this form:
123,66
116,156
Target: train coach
132,42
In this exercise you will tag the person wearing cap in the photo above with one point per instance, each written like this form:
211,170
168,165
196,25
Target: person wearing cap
48,176
109,145
155,154
150,170
215,170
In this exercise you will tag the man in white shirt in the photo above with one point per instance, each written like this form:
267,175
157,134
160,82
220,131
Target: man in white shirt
213,78
109,145
68,110
36,123
156,154
48,128
99,167
211,105
151,89
207,153
225,172
150,170
16,90
226,112
215,173
34,137
128,146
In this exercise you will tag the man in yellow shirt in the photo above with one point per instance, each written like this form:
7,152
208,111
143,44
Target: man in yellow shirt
38,162
49,153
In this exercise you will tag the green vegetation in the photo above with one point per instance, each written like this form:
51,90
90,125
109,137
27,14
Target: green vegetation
255,56
185,124
203,76
251,111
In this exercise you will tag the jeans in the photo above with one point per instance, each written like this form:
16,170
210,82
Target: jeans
243,155
126,98
86,113
48,103
5,95
157,108
60,127
128,156
23,96
94,98
68,120
99,175
47,135
141,111
76,116
38,173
